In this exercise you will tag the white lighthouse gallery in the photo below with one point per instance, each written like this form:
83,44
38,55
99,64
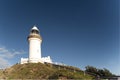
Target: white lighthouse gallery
35,41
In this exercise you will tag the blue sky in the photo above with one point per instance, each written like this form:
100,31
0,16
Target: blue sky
74,32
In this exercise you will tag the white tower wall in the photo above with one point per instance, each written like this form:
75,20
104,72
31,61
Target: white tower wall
34,50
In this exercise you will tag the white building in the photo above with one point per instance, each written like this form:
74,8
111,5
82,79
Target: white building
35,41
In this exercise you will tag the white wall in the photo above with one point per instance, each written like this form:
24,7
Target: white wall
34,49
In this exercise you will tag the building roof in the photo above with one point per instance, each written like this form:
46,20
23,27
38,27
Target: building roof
35,28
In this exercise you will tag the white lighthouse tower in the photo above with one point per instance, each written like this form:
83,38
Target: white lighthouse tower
35,41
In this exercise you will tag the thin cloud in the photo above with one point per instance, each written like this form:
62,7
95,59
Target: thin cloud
6,54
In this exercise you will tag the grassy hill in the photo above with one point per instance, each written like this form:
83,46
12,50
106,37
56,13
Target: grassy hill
42,71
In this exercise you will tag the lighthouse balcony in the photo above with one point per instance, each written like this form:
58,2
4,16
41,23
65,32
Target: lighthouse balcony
34,36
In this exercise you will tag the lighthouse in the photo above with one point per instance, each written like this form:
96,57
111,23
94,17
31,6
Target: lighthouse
34,40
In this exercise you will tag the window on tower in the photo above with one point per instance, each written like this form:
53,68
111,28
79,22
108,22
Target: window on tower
35,31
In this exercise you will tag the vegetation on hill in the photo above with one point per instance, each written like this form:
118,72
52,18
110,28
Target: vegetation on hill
52,71
43,71
98,73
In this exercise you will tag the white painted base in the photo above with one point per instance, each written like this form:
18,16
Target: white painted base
42,60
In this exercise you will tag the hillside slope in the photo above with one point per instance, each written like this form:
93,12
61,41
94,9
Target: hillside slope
42,71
